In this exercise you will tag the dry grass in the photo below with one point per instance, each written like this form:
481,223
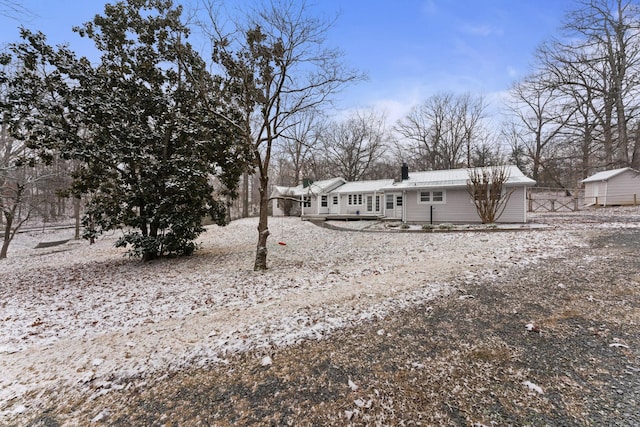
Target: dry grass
464,359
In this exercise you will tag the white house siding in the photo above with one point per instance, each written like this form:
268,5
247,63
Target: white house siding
350,209
276,210
613,187
458,208
620,189
516,210
277,203
591,191
314,205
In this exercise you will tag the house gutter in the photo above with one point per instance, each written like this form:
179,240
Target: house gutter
404,206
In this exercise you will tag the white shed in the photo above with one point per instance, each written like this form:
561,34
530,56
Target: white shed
612,187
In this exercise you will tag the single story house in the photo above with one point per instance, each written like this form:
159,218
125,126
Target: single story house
442,197
612,187
358,198
419,197
304,198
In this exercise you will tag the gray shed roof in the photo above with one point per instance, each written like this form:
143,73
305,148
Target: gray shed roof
607,175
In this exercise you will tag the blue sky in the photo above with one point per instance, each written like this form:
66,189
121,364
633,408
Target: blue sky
410,49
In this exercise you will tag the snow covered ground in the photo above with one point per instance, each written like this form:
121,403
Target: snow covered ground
76,318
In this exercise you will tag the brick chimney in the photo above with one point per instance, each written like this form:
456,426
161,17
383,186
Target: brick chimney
404,171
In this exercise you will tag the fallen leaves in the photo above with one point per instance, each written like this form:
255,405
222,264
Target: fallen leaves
467,361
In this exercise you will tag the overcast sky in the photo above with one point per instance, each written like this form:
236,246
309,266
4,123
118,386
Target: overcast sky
410,49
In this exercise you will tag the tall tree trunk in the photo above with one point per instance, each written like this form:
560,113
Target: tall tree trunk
245,194
263,226
150,255
635,156
76,215
7,236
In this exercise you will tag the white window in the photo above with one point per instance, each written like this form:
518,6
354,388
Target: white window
378,203
323,201
306,201
354,200
335,200
389,202
398,200
431,197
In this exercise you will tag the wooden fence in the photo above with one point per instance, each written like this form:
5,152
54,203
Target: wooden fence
543,199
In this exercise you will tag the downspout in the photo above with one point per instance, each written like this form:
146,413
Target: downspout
524,214
404,206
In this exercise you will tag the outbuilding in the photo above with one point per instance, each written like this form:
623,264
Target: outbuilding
612,187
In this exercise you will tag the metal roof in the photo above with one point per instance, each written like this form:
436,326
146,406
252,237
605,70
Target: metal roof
454,178
606,175
317,187
363,186
428,179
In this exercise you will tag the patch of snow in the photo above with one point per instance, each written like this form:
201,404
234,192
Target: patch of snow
75,315
617,344
533,387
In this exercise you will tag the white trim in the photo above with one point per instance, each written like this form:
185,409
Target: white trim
355,199
431,197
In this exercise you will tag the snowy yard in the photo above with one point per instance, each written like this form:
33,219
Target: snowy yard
80,319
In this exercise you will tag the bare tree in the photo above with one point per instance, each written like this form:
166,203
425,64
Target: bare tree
15,181
275,67
14,9
442,130
540,117
352,146
597,62
299,141
19,179
486,186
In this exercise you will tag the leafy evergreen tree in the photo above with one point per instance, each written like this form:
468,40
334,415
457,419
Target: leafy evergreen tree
149,145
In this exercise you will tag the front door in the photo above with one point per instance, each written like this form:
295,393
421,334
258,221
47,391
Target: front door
373,203
393,205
